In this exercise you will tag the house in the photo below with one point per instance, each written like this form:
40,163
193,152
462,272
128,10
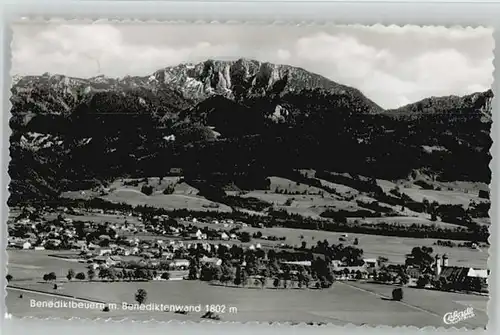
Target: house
181,264
147,255
167,255
26,245
54,243
414,272
211,260
371,262
105,260
347,272
93,246
123,251
103,251
79,244
224,236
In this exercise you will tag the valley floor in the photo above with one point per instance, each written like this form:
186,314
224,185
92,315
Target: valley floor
343,303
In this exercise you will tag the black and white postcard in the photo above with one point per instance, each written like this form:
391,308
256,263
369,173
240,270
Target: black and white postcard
333,174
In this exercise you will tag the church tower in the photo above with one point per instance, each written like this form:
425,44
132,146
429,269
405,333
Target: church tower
437,266
445,260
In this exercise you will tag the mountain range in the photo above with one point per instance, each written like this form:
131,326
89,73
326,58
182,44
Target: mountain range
232,122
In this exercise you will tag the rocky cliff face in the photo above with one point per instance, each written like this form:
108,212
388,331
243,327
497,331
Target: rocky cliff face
245,79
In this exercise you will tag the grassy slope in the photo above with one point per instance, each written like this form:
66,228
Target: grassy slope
310,201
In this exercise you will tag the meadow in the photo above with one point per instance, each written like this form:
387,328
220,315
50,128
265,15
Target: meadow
341,304
29,265
443,197
128,191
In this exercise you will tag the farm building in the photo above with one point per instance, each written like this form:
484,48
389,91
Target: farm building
103,251
459,277
465,278
211,260
179,264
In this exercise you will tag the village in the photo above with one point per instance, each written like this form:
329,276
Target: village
221,252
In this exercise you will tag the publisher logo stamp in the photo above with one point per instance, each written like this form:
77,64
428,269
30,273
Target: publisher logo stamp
455,317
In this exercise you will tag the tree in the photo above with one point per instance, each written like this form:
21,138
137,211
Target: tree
426,204
420,256
71,274
227,273
91,274
245,237
169,189
263,281
423,281
276,282
103,273
147,189
80,276
404,279
140,273
51,276
8,277
397,294
356,241
307,279
141,296
237,278
433,210
193,271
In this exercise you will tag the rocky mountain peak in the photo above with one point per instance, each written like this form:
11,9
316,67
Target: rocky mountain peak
246,78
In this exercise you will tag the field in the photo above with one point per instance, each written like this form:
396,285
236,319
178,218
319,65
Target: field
29,265
166,201
96,217
341,304
125,191
442,197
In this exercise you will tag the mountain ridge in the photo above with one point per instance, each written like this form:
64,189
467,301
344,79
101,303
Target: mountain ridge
256,118
196,82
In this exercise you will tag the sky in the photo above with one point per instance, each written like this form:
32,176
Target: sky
391,65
